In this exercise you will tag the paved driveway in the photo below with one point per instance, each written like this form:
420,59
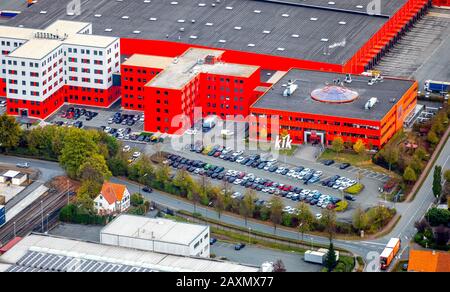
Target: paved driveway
253,255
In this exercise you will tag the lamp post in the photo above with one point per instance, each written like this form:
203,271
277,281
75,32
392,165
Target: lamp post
140,186
249,230
48,215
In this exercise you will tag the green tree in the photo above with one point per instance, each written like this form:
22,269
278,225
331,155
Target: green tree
409,175
360,219
438,217
276,212
359,147
162,176
247,205
390,154
184,182
95,169
86,194
136,200
337,145
330,258
417,165
305,218
10,132
421,153
432,138
437,181
78,148
329,221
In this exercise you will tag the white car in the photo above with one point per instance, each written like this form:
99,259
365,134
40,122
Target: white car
191,132
108,129
137,154
287,209
238,153
318,216
23,165
240,159
280,170
126,148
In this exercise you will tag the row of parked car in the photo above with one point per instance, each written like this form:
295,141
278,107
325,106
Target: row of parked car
307,175
125,119
249,180
73,113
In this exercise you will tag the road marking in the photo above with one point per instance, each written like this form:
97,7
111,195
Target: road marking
373,243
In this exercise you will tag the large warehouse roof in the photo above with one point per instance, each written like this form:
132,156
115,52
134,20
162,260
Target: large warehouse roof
388,92
154,229
289,28
54,254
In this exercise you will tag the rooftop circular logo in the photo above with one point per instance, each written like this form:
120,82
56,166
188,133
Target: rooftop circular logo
334,94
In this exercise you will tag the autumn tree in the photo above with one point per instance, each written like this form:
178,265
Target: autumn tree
390,154
359,147
329,221
305,218
337,145
409,175
276,212
360,219
95,169
247,205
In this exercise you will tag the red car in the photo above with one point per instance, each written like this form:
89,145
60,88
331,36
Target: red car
217,154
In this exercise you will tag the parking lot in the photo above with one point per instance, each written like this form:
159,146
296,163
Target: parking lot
286,182
101,120
253,255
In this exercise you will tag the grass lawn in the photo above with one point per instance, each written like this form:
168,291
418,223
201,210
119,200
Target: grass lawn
233,237
358,160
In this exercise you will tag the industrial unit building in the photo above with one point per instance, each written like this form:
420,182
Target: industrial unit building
322,106
167,87
344,36
157,235
40,253
63,63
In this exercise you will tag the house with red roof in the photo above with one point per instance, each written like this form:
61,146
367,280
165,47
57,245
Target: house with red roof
113,198
428,261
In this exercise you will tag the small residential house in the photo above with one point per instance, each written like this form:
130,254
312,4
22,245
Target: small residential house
428,261
113,198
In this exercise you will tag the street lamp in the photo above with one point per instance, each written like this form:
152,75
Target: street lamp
249,230
48,215
140,186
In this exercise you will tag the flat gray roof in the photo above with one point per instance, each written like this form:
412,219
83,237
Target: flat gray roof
307,81
154,229
301,30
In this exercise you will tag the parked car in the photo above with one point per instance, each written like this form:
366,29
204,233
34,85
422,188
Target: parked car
23,165
147,190
344,165
239,246
212,240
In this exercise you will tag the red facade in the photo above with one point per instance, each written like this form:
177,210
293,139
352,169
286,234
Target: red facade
67,94
133,82
441,2
307,127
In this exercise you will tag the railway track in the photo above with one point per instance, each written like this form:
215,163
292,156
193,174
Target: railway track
37,217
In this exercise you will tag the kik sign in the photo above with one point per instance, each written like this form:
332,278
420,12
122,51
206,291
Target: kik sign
283,143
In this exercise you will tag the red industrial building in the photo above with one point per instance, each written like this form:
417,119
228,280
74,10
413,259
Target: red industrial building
317,107
167,87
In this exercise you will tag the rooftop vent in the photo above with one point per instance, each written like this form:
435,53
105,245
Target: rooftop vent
371,103
291,88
